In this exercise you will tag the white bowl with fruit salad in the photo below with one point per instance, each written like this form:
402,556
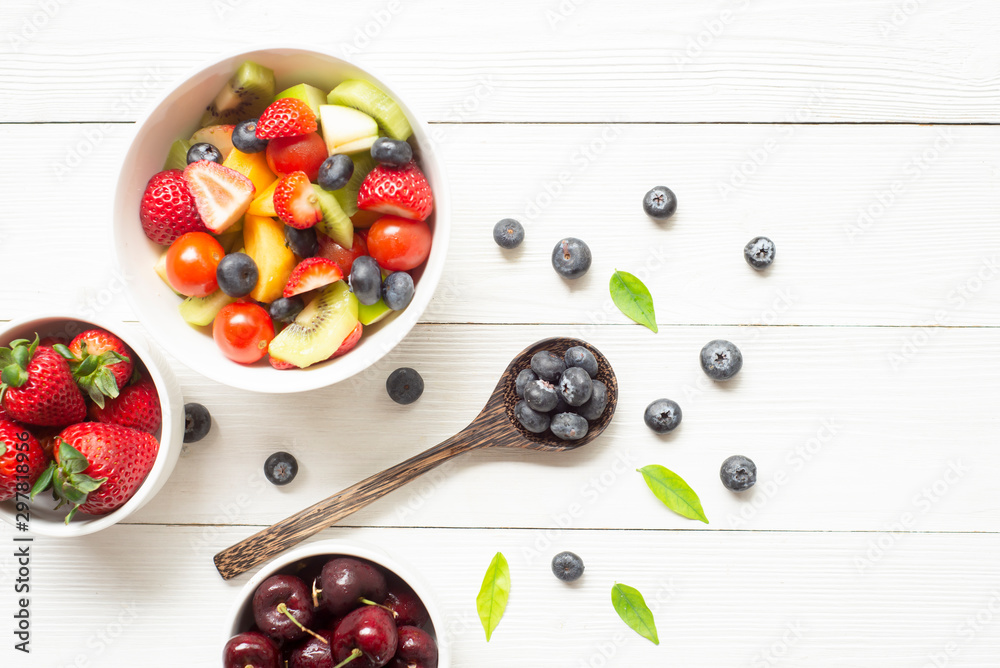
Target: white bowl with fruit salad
91,424
282,218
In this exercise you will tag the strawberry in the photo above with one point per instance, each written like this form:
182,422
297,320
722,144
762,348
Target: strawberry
345,347
22,459
295,201
397,191
167,209
98,467
38,387
221,195
312,273
101,363
286,117
136,406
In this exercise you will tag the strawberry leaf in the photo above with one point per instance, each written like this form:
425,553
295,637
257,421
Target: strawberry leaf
21,356
3,448
675,494
64,351
632,608
492,600
14,376
6,357
632,298
44,481
71,460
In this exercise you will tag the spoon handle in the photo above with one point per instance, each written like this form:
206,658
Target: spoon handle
265,544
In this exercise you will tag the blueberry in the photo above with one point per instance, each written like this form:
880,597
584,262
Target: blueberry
759,253
662,416
548,366
575,386
541,396
563,407
569,426
237,274
583,358
594,408
245,137
197,422
567,566
571,258
203,151
392,152
523,378
508,233
302,242
397,290
533,421
721,360
738,473
404,385
284,309
335,172
366,280
280,468
660,202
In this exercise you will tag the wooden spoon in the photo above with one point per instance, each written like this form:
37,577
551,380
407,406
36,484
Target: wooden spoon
494,427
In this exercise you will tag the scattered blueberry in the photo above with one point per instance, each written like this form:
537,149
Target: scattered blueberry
575,386
366,280
533,421
594,408
721,360
548,366
197,422
738,473
284,309
662,416
245,137
571,258
392,152
759,253
567,566
660,202
302,242
237,274
508,233
203,151
569,426
541,396
280,468
522,380
397,290
404,385
335,172
583,358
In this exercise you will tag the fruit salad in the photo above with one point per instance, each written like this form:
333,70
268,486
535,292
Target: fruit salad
334,611
291,221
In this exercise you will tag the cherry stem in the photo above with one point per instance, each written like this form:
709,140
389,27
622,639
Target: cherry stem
365,601
316,592
283,609
355,653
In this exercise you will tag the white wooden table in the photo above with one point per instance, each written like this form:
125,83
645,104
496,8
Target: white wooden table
860,136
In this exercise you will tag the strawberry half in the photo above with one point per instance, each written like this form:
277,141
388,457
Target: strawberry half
136,406
101,363
167,209
295,201
312,273
38,387
221,195
397,191
22,459
286,117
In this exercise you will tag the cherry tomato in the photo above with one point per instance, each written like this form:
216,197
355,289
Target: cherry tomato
398,244
343,257
304,153
243,331
191,263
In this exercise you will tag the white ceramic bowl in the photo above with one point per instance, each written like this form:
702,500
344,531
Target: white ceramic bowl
241,617
175,116
47,521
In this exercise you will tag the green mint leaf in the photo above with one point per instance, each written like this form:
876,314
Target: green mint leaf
492,599
675,494
633,299
632,608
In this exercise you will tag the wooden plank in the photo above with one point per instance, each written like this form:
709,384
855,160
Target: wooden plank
728,60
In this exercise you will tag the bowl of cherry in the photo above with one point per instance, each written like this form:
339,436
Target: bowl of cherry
332,604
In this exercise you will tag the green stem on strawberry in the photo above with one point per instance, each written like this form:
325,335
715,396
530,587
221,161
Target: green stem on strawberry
14,361
355,653
92,373
365,601
69,483
283,609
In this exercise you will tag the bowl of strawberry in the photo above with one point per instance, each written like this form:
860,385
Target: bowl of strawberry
91,425
332,604
283,219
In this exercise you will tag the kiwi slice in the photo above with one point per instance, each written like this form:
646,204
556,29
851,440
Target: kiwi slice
366,97
319,330
177,155
347,197
244,96
335,224
369,315
201,311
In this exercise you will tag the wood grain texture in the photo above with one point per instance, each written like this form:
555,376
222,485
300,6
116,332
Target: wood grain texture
728,60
